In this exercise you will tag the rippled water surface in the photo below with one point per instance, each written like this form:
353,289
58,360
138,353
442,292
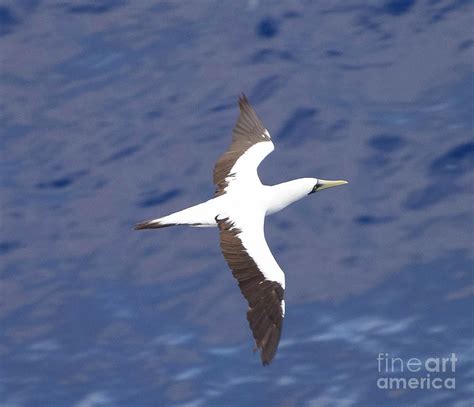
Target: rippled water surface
112,112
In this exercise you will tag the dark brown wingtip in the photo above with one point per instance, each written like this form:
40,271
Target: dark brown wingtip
243,100
267,356
265,361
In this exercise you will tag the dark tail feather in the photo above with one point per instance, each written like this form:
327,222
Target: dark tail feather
152,225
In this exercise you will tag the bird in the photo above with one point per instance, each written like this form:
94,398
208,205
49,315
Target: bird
238,209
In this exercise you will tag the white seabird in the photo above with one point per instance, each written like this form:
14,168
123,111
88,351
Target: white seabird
238,208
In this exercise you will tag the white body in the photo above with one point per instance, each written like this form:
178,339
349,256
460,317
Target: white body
245,194
269,199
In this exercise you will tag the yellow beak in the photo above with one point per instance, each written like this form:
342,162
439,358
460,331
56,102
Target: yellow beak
323,184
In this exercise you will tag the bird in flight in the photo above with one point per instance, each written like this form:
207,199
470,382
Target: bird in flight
238,209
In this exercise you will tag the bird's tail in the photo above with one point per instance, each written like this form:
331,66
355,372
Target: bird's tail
202,215
153,224
173,219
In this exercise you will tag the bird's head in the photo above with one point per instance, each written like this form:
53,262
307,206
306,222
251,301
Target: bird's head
320,184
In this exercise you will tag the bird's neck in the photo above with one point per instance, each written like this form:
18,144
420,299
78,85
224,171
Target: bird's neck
284,194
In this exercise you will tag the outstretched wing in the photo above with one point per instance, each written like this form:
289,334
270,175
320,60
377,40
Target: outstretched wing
251,143
261,280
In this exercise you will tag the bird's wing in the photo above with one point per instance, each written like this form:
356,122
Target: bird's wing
251,143
261,280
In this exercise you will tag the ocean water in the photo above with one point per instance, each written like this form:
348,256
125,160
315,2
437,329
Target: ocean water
113,112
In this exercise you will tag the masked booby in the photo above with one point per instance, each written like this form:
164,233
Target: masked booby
238,209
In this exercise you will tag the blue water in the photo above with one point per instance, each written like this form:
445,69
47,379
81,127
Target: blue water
112,112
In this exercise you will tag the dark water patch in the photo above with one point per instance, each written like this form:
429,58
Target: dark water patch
448,7
373,220
360,67
457,161
62,182
7,20
154,114
270,55
8,246
350,261
163,7
398,7
265,88
99,184
291,14
333,53
369,22
465,45
267,27
332,131
386,142
94,7
425,197
299,125
282,224
377,162
223,106
123,153
158,199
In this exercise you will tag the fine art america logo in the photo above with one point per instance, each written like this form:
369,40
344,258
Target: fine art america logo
414,373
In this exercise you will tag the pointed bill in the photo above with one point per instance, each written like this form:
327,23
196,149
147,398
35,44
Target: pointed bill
323,184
